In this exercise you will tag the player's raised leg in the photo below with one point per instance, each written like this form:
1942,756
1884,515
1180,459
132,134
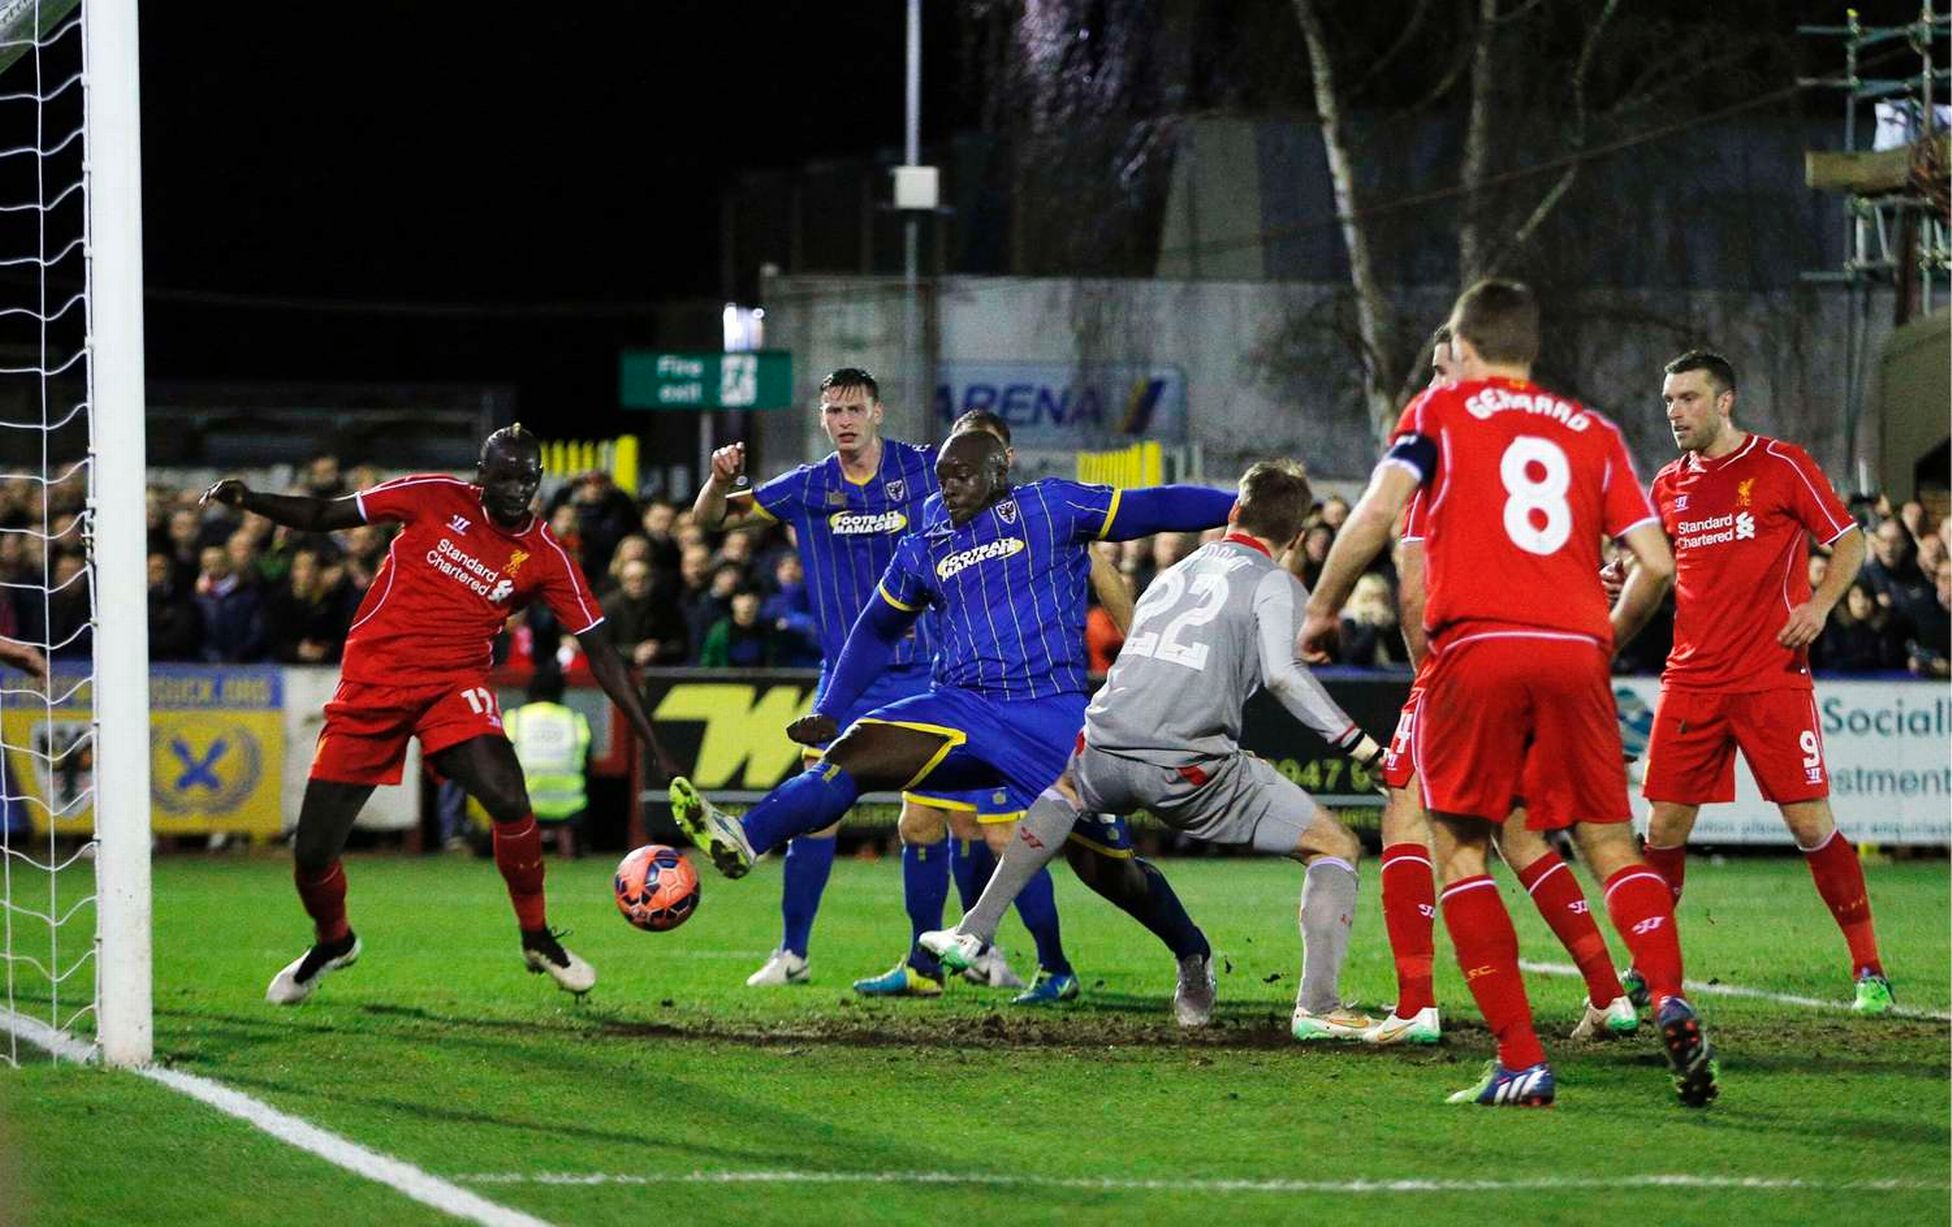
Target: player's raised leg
971,862
325,817
488,769
1038,838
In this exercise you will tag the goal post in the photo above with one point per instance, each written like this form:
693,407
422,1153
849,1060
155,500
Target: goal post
113,162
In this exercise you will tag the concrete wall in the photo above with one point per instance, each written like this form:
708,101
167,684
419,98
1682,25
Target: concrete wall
1268,368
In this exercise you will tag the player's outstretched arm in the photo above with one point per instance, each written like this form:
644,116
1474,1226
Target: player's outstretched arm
1364,535
713,508
1806,621
1292,685
1166,509
865,655
613,675
301,511
1647,580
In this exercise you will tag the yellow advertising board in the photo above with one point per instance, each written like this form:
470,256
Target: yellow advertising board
216,751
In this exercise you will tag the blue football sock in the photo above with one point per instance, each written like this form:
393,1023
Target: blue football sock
809,859
1166,916
810,801
972,862
925,888
1037,908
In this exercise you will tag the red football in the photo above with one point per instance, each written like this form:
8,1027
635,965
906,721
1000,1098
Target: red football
657,888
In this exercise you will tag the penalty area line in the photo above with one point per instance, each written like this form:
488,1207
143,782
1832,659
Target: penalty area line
396,1174
1706,989
1408,1185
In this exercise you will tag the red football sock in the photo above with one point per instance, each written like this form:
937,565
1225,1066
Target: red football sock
324,897
518,854
1410,916
1840,880
1556,893
1487,950
1642,910
1670,863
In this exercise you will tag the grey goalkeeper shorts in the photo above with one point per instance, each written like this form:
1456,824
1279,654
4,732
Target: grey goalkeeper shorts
1237,800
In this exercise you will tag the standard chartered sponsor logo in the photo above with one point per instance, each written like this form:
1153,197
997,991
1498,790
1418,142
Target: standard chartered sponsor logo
955,564
855,524
465,569
1715,530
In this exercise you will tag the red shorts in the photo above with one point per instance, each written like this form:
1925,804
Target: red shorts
1398,769
364,740
1691,755
1522,713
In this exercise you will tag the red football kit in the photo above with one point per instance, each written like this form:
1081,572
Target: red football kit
1740,526
418,654
1521,485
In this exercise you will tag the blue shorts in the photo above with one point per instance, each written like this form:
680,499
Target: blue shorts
1000,804
1003,752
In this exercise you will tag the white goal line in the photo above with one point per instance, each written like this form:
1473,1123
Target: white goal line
1706,989
1100,1184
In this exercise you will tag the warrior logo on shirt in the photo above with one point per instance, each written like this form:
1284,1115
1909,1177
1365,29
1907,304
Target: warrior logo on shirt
956,564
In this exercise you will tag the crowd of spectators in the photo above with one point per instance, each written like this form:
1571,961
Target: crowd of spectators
229,588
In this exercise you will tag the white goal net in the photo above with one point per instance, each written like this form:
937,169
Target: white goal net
74,837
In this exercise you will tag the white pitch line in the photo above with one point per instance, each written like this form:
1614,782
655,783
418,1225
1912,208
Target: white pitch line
397,1174
1705,989
1182,1185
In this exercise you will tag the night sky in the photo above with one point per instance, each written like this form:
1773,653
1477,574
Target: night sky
565,161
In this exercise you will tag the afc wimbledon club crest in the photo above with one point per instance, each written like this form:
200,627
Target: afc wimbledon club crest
203,764
898,491
1007,511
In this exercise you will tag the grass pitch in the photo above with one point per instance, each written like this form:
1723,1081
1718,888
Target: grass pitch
674,1091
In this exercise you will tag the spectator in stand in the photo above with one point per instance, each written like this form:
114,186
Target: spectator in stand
562,526
233,611
1912,516
789,612
1861,636
1335,513
646,623
1135,563
175,624
740,639
1169,548
322,477
242,550
69,608
737,550
365,550
1102,637
660,529
185,545
1931,552
713,604
631,549
1371,637
1314,552
1819,567
1931,645
604,514
1892,571
307,614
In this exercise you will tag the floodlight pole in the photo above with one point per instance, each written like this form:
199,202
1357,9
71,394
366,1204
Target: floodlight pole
116,481
912,376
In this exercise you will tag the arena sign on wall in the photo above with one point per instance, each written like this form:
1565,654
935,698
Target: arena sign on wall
1058,405
1887,745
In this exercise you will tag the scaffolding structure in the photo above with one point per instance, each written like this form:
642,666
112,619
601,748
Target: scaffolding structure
1897,232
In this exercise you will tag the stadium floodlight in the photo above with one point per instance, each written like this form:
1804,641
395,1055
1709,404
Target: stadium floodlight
74,753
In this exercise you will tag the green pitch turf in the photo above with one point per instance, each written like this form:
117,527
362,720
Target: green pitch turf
660,1096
